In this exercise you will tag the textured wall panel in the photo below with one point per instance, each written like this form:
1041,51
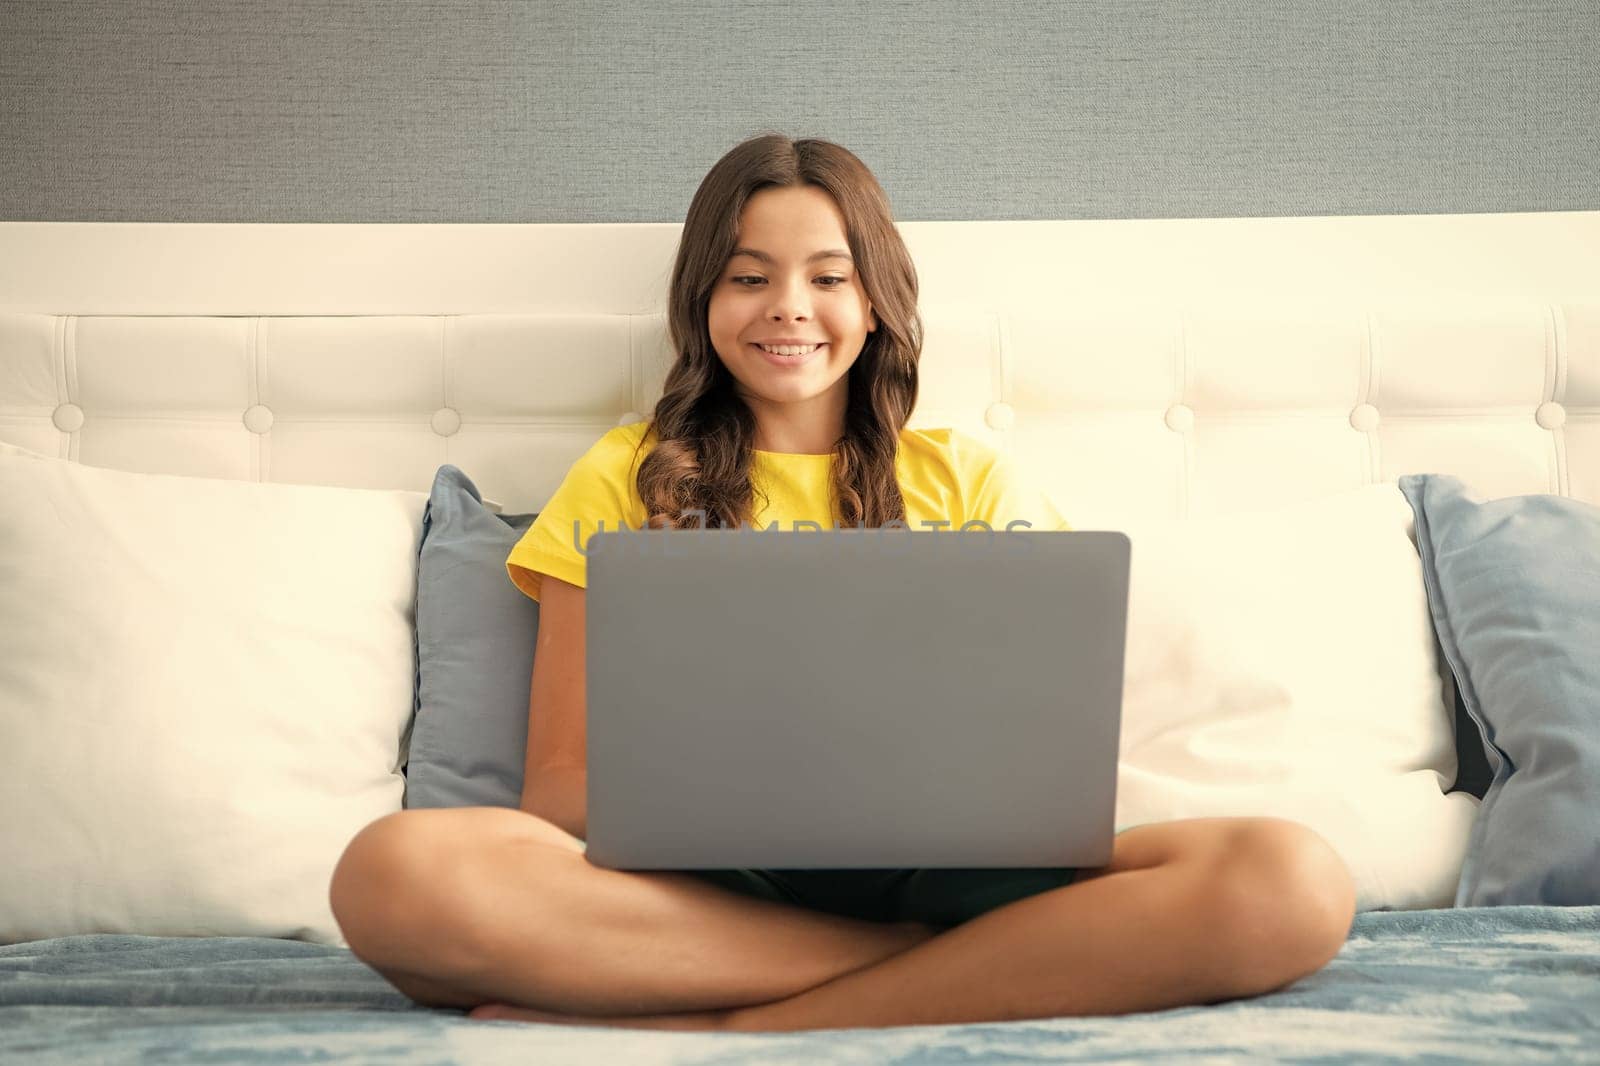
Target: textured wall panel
610,111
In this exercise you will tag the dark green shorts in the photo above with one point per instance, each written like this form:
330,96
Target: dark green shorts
939,897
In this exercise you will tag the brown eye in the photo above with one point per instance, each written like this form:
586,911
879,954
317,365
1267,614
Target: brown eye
742,278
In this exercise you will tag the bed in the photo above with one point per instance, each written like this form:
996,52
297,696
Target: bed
1254,392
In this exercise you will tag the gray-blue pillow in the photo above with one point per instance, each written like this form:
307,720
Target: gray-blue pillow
1514,589
475,637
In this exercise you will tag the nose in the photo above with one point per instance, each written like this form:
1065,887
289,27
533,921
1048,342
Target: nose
791,300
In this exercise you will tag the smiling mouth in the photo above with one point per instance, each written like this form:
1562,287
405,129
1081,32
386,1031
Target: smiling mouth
803,354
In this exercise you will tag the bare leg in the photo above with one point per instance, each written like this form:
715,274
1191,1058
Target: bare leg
466,906
1188,912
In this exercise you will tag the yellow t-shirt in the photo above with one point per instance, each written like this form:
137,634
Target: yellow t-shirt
946,476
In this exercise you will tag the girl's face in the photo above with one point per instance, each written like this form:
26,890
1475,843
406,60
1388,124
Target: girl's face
791,278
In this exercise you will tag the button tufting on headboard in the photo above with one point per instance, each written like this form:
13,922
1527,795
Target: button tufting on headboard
258,419
1550,415
446,421
1364,418
68,418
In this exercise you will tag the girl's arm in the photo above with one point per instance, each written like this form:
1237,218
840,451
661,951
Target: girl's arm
555,768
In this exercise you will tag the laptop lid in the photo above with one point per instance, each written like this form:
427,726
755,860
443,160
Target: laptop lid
853,698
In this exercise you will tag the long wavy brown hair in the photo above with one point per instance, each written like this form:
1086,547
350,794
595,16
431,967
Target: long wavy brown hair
704,432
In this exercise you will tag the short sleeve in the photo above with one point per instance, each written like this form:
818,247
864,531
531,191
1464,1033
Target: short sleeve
1005,495
596,494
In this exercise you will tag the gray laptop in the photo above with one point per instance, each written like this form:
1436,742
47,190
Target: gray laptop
853,698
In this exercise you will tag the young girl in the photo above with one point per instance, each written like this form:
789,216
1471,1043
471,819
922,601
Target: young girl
793,310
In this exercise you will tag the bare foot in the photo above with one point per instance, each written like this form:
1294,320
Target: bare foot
914,933
701,1021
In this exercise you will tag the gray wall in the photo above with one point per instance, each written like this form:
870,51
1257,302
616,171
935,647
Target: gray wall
498,111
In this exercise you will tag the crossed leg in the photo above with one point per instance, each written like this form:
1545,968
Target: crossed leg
1187,912
465,906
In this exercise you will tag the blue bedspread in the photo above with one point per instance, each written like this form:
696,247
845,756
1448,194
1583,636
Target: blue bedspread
1499,985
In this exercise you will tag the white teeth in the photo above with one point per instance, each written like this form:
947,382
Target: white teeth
789,349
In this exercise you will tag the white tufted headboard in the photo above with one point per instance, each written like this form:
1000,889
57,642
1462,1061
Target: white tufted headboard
1135,368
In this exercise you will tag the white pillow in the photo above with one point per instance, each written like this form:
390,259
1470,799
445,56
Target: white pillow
203,687
7,448
1283,663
